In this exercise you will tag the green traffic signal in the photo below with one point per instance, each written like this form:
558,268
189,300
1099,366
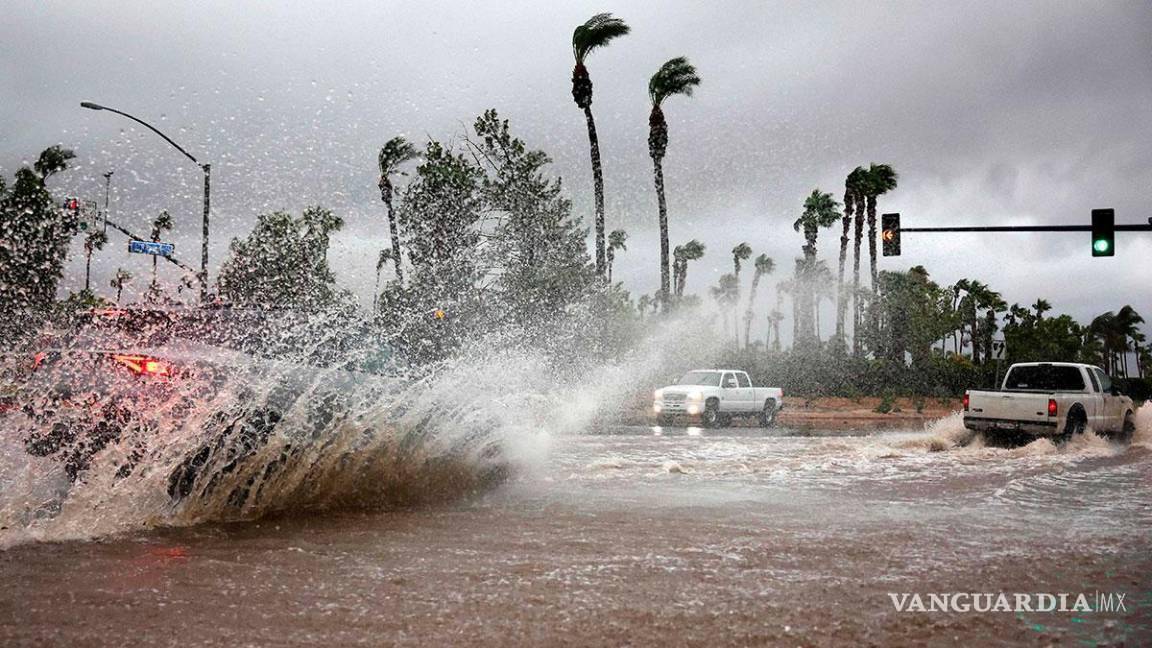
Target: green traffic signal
1103,232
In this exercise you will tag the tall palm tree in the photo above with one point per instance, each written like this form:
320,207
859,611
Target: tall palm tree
92,242
820,283
880,179
677,76
119,280
820,210
690,251
740,253
617,240
855,184
764,265
163,223
852,186
726,293
395,152
1041,306
597,32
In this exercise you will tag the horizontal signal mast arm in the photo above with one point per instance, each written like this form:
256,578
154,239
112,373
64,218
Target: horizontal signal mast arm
1027,228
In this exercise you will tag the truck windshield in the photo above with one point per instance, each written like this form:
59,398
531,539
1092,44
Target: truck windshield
1044,378
705,378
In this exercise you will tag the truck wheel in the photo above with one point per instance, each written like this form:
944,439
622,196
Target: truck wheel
1073,425
768,414
711,416
1129,429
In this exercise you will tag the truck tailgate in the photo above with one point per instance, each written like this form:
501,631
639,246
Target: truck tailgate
1012,406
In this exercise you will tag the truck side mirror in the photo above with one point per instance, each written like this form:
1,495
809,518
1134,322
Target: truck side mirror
1115,391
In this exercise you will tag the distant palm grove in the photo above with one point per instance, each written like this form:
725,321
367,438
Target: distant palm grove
481,240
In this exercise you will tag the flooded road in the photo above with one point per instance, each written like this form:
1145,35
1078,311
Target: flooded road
645,536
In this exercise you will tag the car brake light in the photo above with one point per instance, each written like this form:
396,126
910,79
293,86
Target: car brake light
965,402
141,365
1051,407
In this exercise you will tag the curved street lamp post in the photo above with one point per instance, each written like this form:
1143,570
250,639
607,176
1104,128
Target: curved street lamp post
207,168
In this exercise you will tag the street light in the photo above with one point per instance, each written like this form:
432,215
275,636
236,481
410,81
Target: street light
207,168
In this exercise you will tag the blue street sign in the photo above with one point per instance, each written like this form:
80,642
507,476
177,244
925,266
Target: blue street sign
151,247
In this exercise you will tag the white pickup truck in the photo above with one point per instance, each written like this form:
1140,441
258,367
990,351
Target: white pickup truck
716,396
1050,399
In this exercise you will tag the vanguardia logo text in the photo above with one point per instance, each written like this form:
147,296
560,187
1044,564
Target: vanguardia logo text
1009,602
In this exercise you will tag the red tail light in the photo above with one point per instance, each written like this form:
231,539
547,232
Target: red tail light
965,402
1051,407
143,365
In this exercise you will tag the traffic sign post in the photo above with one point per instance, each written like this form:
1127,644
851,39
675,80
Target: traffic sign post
151,247
999,352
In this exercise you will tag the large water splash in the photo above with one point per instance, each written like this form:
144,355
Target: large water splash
231,436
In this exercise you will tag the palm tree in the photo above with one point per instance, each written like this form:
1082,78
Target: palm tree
880,179
617,240
855,183
396,152
691,251
852,186
726,293
121,279
1128,323
92,242
820,283
163,223
1041,306
677,76
764,265
978,293
774,319
598,31
820,210
740,253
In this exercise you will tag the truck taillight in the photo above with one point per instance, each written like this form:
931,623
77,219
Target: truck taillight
1051,407
965,402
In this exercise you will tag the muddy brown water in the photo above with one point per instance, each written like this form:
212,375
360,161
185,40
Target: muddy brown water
643,536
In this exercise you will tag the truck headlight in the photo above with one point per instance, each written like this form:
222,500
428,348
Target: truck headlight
695,395
658,394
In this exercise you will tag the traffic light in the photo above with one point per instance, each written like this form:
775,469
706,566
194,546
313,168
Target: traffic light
890,234
1103,232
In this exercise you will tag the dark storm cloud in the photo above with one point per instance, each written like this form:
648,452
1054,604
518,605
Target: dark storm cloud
991,111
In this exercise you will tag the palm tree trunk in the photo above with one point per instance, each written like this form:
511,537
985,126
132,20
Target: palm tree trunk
748,313
88,272
658,174
841,298
857,347
394,234
598,189
874,323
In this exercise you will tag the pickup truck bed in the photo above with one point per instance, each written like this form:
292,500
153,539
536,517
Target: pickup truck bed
1055,400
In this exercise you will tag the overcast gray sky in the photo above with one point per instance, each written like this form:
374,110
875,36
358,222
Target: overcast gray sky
992,112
